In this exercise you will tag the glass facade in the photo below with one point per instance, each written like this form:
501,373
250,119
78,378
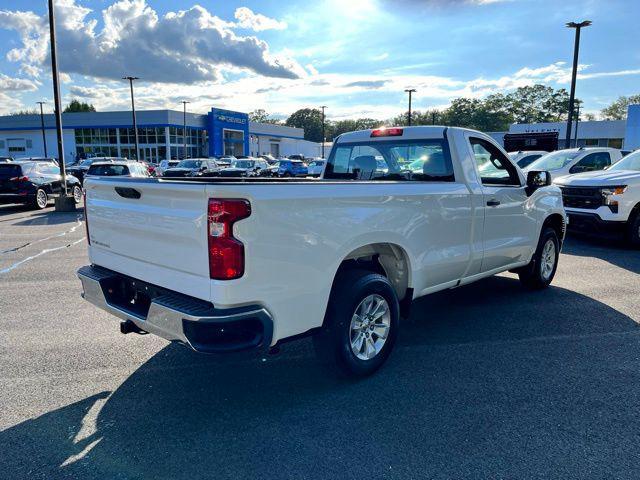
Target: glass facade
152,141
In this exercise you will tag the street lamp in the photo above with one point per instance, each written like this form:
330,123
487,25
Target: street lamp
44,138
409,91
133,113
575,136
576,49
184,129
323,137
63,203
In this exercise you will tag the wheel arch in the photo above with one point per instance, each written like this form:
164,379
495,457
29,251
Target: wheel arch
557,222
386,258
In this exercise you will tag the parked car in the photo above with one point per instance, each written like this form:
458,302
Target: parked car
270,159
315,167
79,170
164,165
118,168
191,167
292,168
297,157
34,183
6,159
525,158
250,167
341,258
605,201
225,161
575,160
38,159
151,168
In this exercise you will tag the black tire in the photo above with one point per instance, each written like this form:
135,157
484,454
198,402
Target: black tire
41,200
333,344
537,275
633,231
76,192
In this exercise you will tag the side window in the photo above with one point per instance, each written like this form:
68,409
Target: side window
593,161
494,167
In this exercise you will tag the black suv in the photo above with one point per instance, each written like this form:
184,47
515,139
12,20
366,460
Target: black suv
34,183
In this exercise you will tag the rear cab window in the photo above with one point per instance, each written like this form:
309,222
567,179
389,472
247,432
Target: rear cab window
108,170
391,160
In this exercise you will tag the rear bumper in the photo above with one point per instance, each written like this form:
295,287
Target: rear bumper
592,223
177,317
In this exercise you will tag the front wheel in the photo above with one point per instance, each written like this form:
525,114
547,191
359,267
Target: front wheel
361,323
77,194
633,231
540,271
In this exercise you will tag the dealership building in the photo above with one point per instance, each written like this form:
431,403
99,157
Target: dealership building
622,134
160,135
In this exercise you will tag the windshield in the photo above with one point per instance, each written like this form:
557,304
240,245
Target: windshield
391,160
630,162
86,163
242,164
189,164
554,160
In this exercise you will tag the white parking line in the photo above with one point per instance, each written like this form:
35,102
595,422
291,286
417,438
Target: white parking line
48,250
62,234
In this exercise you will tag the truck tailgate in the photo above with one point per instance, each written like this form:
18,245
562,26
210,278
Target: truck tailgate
150,230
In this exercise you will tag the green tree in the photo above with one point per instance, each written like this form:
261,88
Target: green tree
261,116
536,103
618,109
78,106
30,111
310,119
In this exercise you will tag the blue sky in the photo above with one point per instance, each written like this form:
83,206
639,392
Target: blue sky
355,56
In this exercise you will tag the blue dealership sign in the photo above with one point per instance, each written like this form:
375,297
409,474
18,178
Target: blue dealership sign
219,120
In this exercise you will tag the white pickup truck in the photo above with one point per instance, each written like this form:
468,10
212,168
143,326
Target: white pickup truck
606,201
226,265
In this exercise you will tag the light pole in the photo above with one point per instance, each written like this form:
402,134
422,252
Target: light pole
409,91
323,138
572,94
184,129
44,137
64,203
133,113
575,136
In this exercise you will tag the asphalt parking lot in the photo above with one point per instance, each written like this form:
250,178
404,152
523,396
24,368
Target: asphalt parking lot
487,381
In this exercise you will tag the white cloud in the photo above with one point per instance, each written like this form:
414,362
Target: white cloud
17,84
348,95
187,46
256,21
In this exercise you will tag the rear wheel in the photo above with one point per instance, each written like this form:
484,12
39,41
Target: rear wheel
41,200
361,323
542,268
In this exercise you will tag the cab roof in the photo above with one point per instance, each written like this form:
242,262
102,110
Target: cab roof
406,133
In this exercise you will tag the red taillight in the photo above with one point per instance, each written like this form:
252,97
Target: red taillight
20,179
387,132
86,217
226,254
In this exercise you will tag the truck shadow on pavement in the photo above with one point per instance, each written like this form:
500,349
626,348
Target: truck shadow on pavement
487,381
613,250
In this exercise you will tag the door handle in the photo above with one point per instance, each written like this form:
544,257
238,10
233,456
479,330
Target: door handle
493,203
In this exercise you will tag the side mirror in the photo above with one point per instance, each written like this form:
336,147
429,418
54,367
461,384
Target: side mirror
537,179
